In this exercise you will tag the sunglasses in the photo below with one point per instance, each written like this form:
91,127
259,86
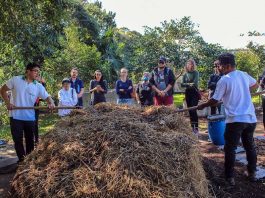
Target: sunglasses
35,70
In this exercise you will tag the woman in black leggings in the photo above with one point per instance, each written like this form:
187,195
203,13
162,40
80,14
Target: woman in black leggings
190,82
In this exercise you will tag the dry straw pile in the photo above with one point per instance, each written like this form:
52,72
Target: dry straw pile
115,151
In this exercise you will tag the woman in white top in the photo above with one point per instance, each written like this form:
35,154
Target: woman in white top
67,97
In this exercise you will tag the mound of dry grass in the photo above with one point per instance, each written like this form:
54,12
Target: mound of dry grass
115,151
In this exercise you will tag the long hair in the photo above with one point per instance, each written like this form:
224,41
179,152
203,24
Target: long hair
101,79
124,68
192,61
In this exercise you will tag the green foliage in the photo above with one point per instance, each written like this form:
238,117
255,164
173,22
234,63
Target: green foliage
62,34
74,54
32,27
248,61
259,50
177,40
46,124
204,75
4,119
178,99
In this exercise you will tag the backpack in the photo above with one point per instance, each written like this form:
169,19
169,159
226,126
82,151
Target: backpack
166,75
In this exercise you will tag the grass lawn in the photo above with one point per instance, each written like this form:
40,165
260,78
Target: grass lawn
46,123
256,100
178,99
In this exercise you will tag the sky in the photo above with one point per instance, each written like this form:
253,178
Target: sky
220,21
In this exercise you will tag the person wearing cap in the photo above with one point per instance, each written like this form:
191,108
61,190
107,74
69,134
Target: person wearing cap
144,94
234,90
98,88
25,91
190,82
214,78
162,81
67,97
78,85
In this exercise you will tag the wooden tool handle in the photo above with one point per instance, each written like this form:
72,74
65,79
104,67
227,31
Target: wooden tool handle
220,102
43,107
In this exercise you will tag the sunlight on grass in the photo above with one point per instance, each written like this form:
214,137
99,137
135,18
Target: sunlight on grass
203,125
256,100
46,123
178,99
5,133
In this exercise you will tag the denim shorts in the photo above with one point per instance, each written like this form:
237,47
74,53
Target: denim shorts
128,101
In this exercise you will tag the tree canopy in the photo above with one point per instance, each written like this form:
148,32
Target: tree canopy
61,34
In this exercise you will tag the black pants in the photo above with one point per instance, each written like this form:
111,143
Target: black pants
80,102
263,107
233,132
192,99
18,129
36,131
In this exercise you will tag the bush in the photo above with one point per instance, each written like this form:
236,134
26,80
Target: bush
4,118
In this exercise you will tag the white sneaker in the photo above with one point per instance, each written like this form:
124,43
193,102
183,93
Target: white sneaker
195,132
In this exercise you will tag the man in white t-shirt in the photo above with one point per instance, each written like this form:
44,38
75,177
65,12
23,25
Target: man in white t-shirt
234,90
25,90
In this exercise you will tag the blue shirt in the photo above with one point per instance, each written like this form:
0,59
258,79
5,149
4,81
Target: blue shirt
77,85
127,86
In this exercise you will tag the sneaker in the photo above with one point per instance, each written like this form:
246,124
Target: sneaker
196,132
231,181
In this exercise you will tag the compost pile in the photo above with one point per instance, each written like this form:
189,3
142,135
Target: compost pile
115,151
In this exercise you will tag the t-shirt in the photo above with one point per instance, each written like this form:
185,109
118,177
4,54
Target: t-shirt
66,98
163,79
145,93
233,90
25,94
97,97
77,85
127,86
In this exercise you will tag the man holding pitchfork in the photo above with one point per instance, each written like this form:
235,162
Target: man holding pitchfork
25,90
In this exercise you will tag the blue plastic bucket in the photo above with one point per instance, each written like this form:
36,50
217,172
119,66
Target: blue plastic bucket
216,129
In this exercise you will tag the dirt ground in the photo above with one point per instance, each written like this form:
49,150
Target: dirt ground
213,160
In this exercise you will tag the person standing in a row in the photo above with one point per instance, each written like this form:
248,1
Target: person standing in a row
190,82
214,78
25,91
98,88
162,81
234,90
144,93
124,88
67,97
78,85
